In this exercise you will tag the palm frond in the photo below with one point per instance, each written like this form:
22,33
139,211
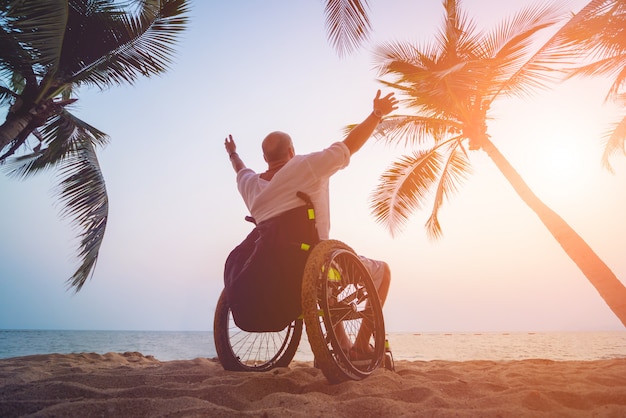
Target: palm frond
404,187
410,130
614,66
83,192
616,89
67,124
458,38
69,145
595,24
604,66
566,47
510,45
616,143
454,172
140,45
6,95
58,139
94,29
347,24
429,80
33,32
400,51
608,40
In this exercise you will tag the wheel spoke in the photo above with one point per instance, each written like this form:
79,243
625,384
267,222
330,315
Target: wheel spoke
250,351
343,290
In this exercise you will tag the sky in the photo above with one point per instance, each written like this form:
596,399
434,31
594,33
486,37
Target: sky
247,68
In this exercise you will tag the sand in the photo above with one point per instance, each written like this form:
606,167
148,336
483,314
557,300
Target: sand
130,384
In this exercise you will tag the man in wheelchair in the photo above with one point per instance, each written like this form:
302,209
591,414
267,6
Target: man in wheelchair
274,192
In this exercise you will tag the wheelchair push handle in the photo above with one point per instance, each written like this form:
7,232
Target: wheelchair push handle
305,197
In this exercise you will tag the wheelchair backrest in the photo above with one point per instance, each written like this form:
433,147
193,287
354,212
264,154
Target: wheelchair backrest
263,275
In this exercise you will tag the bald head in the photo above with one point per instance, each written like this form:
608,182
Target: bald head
277,146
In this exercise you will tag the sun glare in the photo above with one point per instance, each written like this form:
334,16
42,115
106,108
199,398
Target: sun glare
564,165
560,163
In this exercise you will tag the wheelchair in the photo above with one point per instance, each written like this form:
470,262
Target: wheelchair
338,296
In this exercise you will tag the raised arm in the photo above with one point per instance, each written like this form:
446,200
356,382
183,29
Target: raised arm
231,149
361,133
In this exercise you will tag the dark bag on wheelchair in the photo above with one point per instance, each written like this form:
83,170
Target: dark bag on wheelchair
263,274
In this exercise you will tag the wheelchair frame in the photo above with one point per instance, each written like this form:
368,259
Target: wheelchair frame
338,297
337,291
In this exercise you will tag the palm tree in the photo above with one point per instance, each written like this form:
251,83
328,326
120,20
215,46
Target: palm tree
599,34
450,84
51,48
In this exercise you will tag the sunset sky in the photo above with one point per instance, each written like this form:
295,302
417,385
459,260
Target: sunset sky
247,68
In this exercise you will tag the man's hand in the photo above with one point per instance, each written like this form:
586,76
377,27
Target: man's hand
230,146
384,106
231,149
360,133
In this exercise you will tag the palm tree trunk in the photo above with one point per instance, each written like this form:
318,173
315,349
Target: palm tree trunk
11,129
611,289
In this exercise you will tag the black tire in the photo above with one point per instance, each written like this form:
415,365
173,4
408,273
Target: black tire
239,350
337,290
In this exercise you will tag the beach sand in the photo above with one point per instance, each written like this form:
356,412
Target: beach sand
130,384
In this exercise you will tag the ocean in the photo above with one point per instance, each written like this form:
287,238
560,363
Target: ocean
187,345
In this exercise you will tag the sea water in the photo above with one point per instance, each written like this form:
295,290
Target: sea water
187,345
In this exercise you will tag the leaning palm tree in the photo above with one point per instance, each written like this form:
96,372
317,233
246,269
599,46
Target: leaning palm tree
51,48
450,85
598,34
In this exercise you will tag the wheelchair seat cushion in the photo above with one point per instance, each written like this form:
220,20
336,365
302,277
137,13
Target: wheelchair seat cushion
263,274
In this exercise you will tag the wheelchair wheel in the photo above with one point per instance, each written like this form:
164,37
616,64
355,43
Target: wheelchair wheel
239,350
338,295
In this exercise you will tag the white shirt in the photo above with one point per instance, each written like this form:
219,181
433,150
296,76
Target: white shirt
306,173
